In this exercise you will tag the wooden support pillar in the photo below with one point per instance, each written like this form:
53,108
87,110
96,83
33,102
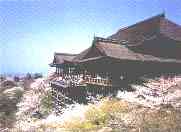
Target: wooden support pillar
56,70
84,75
69,71
60,71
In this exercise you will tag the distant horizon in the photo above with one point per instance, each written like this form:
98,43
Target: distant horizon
44,73
21,74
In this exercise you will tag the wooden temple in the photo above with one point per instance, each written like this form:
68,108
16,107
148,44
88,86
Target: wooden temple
150,46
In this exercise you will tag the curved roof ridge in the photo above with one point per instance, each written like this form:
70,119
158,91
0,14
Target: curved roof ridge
140,22
68,54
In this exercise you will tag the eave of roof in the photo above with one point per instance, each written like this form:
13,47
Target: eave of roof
64,54
121,52
61,58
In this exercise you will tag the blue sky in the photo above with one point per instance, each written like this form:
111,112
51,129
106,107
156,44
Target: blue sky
32,30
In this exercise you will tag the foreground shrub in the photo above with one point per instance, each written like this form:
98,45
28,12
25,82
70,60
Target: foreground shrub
46,103
95,116
8,105
100,115
7,119
161,120
118,115
112,106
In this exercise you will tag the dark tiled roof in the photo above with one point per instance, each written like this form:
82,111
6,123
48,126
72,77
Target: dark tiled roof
81,55
60,58
91,59
121,52
170,29
135,34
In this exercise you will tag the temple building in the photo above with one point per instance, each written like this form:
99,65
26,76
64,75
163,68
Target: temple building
152,46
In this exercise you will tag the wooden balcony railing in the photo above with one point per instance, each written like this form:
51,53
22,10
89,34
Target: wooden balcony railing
98,81
75,80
